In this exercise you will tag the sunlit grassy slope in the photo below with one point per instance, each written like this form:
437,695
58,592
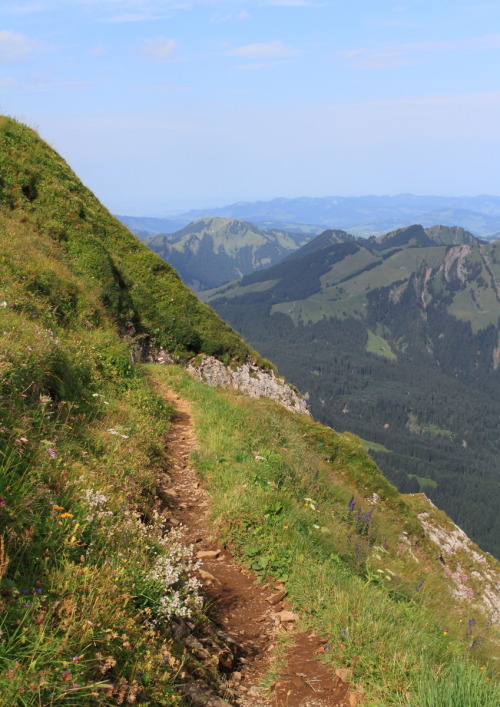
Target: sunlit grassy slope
92,585
88,265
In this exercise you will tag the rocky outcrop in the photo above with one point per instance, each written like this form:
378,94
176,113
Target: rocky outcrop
250,380
473,575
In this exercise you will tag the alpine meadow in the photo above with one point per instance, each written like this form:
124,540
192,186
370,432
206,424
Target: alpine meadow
131,480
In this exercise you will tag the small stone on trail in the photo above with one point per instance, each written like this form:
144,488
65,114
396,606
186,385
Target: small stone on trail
199,696
344,674
208,577
276,598
287,617
207,554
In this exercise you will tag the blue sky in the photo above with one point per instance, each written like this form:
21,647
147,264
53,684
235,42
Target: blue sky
162,105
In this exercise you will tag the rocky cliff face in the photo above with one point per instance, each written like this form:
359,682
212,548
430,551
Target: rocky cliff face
473,575
250,380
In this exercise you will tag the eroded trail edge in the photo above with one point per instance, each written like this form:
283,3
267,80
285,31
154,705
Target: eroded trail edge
250,617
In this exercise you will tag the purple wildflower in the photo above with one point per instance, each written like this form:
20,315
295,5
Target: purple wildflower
351,504
51,452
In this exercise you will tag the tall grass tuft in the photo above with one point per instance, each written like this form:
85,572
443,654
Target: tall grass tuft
458,685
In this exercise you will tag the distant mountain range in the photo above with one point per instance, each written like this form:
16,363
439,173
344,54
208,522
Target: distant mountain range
397,339
362,215
211,251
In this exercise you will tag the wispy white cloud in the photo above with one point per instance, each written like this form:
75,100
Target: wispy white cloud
258,66
26,8
390,56
15,47
231,17
264,50
159,49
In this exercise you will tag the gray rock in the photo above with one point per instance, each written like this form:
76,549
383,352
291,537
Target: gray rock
250,380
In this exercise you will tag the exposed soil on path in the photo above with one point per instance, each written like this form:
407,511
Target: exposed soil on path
251,614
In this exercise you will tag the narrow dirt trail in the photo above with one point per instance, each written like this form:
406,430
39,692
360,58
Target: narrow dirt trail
250,613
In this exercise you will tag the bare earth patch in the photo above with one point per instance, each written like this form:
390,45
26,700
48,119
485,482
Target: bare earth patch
250,613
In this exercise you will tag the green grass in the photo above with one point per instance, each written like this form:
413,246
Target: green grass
78,469
287,516
374,446
84,615
84,606
379,346
87,264
423,482
457,685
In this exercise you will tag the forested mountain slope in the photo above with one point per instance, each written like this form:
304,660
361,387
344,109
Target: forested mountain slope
101,599
397,339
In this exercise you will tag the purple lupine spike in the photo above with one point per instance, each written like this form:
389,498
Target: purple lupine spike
367,518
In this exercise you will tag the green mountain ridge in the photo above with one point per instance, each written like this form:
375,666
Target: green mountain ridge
394,338
100,602
212,251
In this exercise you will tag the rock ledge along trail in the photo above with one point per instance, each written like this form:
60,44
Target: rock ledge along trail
248,615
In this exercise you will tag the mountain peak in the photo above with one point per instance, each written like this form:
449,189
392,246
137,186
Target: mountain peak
409,236
450,235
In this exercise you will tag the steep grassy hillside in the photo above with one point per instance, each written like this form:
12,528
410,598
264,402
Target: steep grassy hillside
396,339
96,588
211,251
86,263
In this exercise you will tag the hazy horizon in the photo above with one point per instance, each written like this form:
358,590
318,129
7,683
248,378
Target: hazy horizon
221,203
165,105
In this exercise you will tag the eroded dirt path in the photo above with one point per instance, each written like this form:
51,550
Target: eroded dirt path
250,613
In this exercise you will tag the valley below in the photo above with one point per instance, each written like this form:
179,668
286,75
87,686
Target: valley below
395,339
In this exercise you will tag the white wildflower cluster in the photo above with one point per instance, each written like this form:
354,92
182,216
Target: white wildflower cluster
172,579
96,502
94,498
169,581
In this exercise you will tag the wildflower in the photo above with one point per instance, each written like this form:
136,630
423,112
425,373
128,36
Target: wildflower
483,667
66,515
51,452
57,508
285,527
351,504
